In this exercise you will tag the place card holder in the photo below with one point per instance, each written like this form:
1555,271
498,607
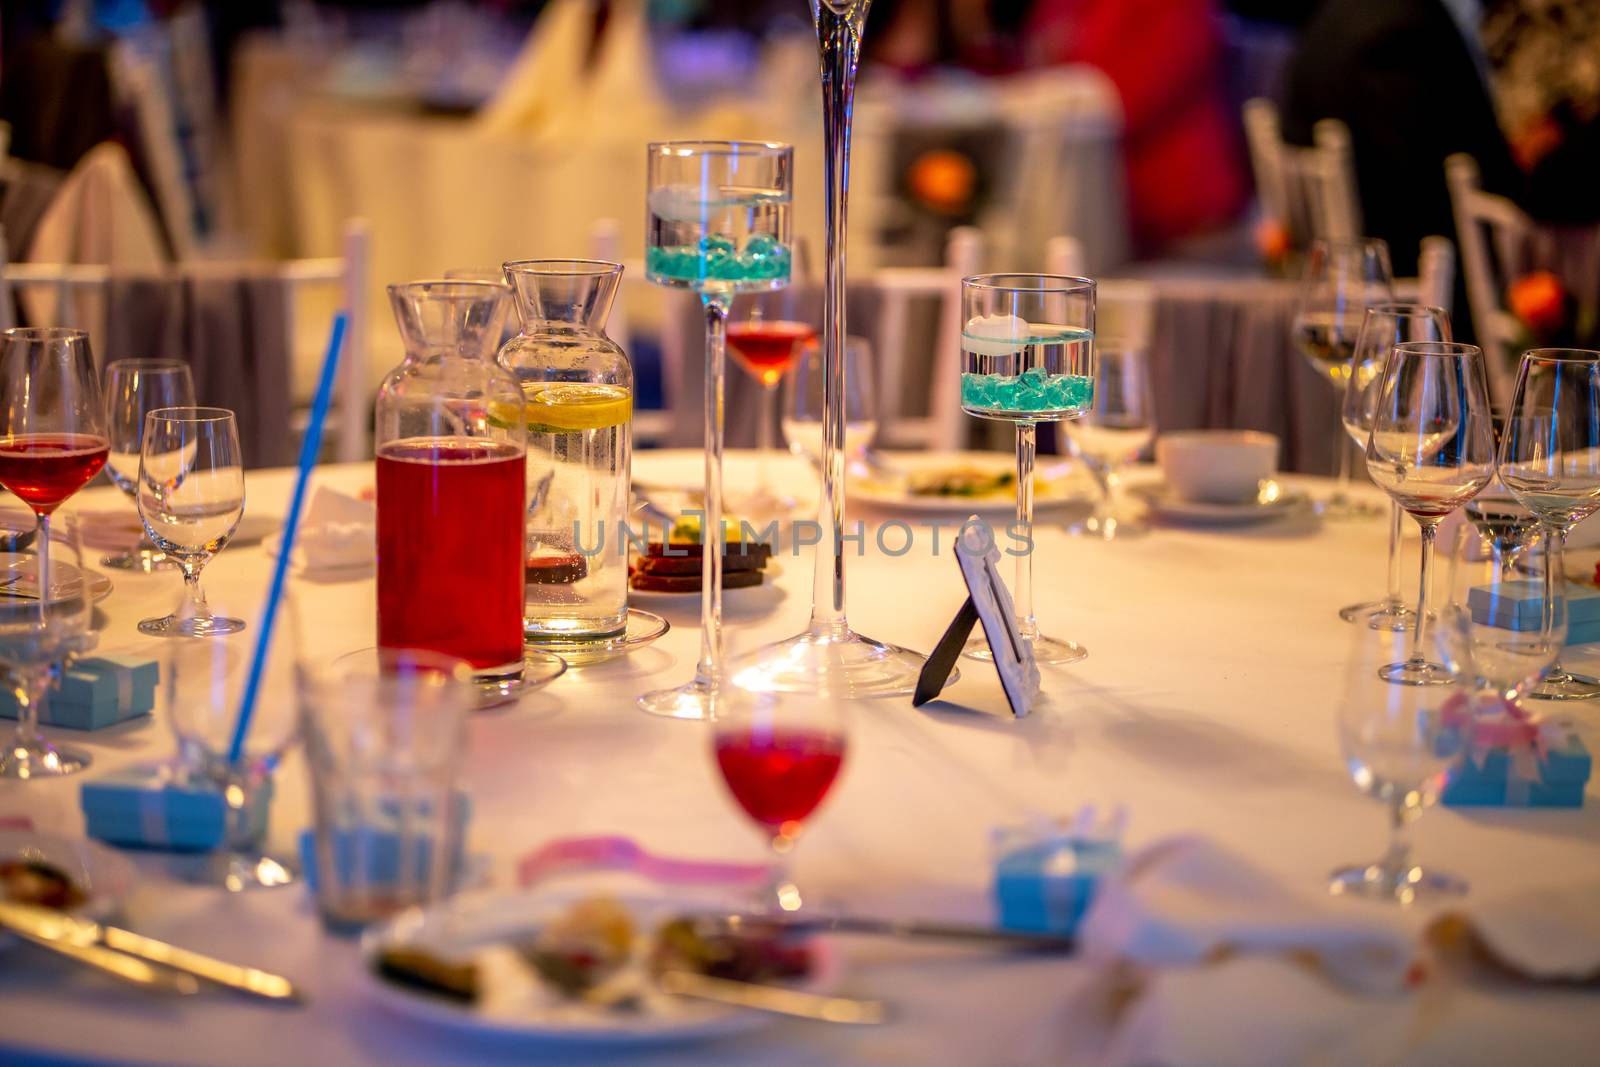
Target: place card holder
988,602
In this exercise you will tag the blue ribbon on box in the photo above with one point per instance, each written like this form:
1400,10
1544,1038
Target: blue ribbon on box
149,806
97,692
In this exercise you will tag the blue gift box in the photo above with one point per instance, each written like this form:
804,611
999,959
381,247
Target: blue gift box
1520,606
377,848
97,692
151,807
1494,781
1046,886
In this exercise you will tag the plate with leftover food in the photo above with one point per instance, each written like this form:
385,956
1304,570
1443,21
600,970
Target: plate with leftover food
964,483
579,968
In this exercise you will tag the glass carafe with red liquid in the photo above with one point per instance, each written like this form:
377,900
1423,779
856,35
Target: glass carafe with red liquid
451,448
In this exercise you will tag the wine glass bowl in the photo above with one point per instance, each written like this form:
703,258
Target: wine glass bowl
1119,426
191,498
803,395
133,389
1431,449
1498,631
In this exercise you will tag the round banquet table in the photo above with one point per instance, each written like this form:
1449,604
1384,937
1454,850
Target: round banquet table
1206,706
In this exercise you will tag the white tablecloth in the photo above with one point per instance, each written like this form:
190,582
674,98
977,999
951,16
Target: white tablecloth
1206,705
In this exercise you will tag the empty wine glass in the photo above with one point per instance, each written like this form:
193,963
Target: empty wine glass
39,636
1499,632
191,498
1550,460
134,388
1431,449
1399,743
779,755
803,395
1342,279
1113,432
1385,326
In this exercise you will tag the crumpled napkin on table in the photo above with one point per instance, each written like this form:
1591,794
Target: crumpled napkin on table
337,535
1187,901
1540,935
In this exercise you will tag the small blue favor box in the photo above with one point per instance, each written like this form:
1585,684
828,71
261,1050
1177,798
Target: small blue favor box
1520,606
97,692
148,807
379,849
1563,773
1046,886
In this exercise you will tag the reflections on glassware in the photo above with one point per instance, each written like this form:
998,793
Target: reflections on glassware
1119,426
133,389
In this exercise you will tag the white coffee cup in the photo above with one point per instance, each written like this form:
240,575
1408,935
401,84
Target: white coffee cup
1217,466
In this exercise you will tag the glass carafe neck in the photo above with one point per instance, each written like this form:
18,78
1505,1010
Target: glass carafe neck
450,318
572,292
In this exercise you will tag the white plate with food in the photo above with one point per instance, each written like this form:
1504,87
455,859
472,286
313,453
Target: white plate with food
70,874
963,483
574,968
1273,502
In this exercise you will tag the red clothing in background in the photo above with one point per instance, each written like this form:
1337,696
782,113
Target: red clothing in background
1186,172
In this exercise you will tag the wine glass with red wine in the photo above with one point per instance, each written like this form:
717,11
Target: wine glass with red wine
765,344
52,442
779,755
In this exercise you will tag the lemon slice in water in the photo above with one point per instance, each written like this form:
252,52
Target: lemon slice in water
570,407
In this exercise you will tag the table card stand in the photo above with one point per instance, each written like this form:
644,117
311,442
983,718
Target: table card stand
989,602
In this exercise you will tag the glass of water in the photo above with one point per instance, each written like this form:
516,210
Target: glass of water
1115,430
191,498
134,388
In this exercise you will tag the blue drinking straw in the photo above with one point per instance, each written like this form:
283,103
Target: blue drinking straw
308,459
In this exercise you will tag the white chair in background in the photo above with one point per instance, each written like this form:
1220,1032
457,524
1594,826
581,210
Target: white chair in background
1311,191
352,408
1125,308
1436,272
1492,231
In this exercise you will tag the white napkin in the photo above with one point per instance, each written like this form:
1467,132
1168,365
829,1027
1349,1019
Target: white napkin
1186,901
337,534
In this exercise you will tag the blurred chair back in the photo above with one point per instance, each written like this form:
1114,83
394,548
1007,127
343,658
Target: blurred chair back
1493,233
189,311
1310,191
1436,272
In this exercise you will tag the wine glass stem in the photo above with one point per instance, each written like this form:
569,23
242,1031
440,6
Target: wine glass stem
769,390
1397,858
1026,446
708,670
839,26
1395,518
198,608
1342,446
1430,531
1555,562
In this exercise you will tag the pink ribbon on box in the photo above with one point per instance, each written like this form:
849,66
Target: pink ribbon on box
1494,723
622,853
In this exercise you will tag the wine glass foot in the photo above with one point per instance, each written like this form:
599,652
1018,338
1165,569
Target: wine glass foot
37,758
848,664
191,626
1416,672
1045,650
1109,527
1561,685
1340,508
140,560
1403,885
1381,615
694,700
240,871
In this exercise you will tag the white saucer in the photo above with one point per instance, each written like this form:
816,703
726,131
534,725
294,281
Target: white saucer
1275,502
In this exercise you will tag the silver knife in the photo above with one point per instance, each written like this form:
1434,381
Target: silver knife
135,972
58,930
776,999
899,928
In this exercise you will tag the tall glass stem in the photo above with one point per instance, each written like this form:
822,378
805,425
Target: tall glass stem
1392,599
1555,562
764,434
708,671
1397,858
1027,446
1430,532
1342,486
40,693
839,24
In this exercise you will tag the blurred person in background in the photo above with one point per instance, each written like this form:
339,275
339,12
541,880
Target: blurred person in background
1185,164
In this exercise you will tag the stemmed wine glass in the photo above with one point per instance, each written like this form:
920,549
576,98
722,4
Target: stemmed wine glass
1498,643
1027,356
828,652
718,225
1431,449
765,344
39,636
1550,460
191,498
779,755
1385,326
1114,432
804,394
134,388
1342,279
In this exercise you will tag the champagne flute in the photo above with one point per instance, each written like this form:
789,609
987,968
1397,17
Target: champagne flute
1431,449
1550,460
1113,432
1399,743
191,498
39,636
779,755
1342,279
718,225
803,396
1385,326
135,387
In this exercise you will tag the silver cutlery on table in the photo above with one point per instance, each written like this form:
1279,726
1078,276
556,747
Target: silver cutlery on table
99,944
134,971
1016,940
